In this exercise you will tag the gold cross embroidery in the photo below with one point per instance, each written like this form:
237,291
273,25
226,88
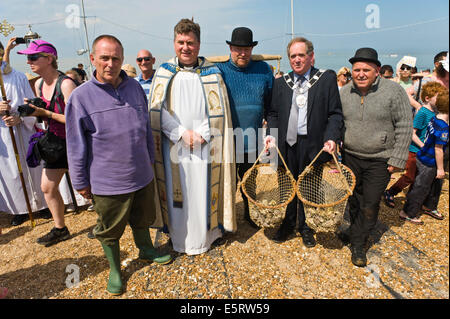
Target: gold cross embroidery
6,28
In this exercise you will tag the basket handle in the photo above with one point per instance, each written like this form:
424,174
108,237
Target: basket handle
259,158
338,165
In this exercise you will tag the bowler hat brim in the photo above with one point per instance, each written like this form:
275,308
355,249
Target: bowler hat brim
361,59
242,44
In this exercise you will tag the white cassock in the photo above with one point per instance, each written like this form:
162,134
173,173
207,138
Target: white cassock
188,225
12,198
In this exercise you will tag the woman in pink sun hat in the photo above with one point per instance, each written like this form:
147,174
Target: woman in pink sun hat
54,88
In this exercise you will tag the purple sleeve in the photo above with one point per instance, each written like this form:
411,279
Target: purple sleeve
76,144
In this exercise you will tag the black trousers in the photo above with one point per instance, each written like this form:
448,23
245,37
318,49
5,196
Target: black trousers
296,160
241,168
372,178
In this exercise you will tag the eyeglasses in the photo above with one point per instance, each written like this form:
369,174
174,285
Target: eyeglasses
387,76
34,57
147,58
405,68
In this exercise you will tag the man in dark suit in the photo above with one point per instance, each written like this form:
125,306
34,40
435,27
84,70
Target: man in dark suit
306,110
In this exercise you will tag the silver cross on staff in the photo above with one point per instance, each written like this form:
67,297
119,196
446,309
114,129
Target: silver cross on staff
6,28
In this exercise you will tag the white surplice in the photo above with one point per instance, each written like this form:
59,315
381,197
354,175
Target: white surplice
188,225
12,199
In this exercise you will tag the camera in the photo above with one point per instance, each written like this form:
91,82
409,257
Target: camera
27,110
20,40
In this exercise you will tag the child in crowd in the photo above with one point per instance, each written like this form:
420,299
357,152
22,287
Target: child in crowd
427,185
423,117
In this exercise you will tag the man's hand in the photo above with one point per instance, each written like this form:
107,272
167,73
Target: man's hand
11,120
85,192
11,44
392,169
440,174
192,138
329,146
4,107
269,142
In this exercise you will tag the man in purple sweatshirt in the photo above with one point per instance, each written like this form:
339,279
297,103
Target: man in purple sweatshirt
110,152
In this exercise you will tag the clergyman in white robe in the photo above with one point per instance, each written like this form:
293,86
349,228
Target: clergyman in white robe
188,225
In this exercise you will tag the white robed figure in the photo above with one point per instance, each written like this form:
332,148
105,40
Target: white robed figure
12,198
188,225
194,162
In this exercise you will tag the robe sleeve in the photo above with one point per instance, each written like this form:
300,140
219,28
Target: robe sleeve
170,126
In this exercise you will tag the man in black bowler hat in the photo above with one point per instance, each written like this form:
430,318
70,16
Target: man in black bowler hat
249,85
306,113
378,131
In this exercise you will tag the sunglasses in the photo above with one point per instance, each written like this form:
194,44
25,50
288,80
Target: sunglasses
34,57
147,58
405,68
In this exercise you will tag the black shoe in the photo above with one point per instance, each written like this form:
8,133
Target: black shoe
45,213
343,237
219,242
282,234
19,219
308,238
358,256
54,236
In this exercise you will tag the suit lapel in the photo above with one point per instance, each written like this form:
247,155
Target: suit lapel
291,93
311,94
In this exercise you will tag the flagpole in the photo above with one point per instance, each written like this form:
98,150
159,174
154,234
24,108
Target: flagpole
87,39
292,19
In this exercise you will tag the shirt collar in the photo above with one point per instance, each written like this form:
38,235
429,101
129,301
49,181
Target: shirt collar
306,75
141,79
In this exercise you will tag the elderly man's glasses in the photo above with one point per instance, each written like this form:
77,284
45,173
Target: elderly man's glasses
34,57
146,59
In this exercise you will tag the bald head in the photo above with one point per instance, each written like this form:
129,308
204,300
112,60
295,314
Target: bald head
145,61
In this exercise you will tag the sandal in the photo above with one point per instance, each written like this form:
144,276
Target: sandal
389,199
434,213
414,220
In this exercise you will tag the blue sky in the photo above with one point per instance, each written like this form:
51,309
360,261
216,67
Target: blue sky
337,28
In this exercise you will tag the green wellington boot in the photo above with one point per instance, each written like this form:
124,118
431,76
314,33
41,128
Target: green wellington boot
112,253
146,249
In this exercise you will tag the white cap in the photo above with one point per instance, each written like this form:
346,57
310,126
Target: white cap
444,62
408,60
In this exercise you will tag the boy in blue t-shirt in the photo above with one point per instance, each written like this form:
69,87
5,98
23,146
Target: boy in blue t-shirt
429,95
427,186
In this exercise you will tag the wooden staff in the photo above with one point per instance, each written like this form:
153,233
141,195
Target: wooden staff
16,152
72,193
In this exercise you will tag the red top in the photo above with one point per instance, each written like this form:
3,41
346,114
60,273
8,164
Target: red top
57,128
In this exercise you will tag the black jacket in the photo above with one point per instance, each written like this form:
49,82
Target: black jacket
324,113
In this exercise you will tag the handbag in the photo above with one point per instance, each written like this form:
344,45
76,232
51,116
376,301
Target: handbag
51,147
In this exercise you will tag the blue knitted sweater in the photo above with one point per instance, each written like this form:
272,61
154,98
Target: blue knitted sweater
249,91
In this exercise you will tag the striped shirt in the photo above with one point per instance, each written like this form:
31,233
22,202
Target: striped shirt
437,134
146,84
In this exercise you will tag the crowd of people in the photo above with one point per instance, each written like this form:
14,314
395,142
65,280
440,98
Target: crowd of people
166,148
